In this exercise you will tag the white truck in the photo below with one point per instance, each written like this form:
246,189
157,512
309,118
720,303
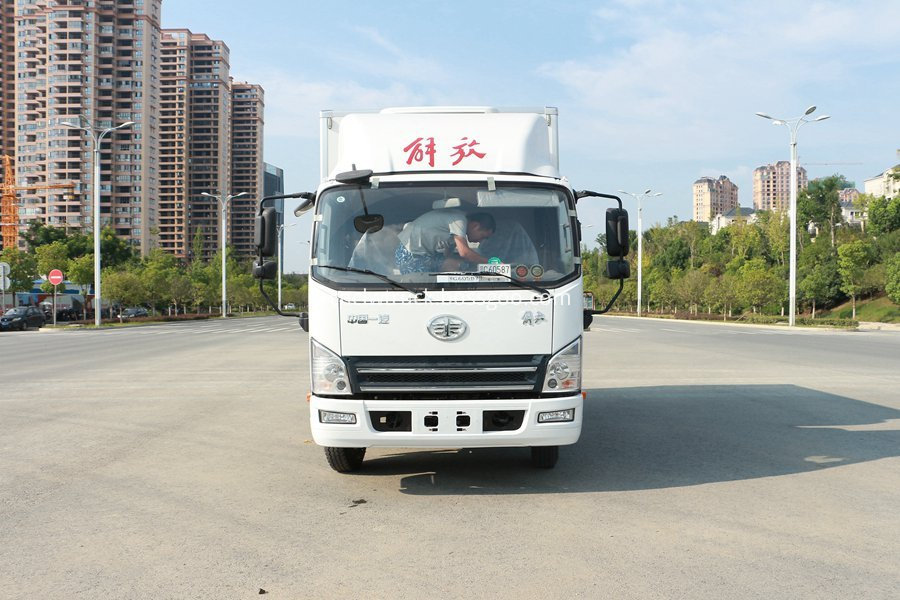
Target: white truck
445,290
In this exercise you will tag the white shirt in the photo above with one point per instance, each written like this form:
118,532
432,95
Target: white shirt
433,232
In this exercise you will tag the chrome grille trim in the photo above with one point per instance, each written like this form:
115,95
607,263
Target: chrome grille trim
451,370
441,388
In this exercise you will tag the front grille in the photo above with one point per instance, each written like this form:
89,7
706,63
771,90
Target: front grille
436,374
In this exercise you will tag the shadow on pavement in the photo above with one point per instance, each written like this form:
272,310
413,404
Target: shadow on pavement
668,436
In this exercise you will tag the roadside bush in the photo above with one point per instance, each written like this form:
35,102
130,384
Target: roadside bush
759,319
830,322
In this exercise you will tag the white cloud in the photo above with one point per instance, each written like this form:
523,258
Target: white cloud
688,80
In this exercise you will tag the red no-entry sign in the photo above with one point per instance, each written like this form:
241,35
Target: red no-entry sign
55,277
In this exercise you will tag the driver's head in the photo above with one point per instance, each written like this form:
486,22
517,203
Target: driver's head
480,227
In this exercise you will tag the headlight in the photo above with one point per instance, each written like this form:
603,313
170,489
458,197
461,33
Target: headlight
329,375
564,370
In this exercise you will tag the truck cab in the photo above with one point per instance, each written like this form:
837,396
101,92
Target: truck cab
445,290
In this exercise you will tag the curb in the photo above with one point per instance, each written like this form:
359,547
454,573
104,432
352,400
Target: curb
784,327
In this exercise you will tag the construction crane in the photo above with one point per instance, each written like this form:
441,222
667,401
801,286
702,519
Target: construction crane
9,213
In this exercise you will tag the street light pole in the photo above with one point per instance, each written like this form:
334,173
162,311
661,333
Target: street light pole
793,126
281,227
223,202
640,238
98,304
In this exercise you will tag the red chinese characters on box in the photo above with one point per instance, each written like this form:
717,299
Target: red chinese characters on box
425,148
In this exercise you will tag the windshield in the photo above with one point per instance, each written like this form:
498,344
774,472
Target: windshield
437,235
15,312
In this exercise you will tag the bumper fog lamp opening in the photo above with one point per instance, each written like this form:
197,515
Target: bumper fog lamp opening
338,418
557,416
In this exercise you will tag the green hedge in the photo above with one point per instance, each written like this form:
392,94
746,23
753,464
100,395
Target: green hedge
829,322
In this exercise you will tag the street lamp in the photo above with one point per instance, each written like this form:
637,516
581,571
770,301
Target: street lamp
793,126
281,227
223,201
640,237
96,209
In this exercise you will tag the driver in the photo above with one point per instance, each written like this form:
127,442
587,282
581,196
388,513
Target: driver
427,244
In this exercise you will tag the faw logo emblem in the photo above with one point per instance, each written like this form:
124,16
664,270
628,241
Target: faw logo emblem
447,328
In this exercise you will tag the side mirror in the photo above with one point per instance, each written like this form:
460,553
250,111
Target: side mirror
265,269
304,206
617,232
618,269
266,231
304,321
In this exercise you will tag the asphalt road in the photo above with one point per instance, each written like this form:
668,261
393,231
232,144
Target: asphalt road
717,461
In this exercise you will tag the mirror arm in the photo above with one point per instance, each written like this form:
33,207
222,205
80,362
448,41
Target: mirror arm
589,194
611,302
272,304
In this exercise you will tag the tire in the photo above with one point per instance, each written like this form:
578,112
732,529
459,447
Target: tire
544,457
345,460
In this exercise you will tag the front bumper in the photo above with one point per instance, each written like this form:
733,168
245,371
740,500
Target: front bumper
446,434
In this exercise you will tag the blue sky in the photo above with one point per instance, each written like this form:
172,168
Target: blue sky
651,94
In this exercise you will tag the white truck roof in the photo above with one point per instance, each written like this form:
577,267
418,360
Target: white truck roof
441,139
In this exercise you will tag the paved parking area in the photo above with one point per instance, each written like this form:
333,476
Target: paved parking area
716,461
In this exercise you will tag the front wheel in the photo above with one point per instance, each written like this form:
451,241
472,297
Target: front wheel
544,457
345,460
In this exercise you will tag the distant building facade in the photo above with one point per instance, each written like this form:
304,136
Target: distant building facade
102,63
884,184
735,214
7,80
772,186
273,185
86,63
713,196
247,174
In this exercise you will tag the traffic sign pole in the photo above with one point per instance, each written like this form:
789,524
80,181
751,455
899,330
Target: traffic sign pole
4,283
55,277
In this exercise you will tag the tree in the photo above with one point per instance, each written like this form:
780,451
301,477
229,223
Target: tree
181,290
159,270
722,293
52,256
892,283
38,235
776,226
114,250
22,269
820,203
884,215
691,287
124,287
81,273
759,286
820,284
746,239
853,258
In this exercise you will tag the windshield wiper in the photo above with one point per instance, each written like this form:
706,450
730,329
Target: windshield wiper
419,294
517,282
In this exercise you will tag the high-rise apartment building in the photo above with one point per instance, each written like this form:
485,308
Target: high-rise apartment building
101,63
88,63
713,197
196,142
247,104
772,186
7,80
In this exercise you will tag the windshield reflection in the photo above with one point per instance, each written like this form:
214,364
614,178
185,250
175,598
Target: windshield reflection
440,234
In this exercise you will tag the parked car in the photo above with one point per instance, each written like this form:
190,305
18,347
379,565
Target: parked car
21,318
134,312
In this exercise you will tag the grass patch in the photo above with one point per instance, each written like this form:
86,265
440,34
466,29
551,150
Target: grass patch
879,310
